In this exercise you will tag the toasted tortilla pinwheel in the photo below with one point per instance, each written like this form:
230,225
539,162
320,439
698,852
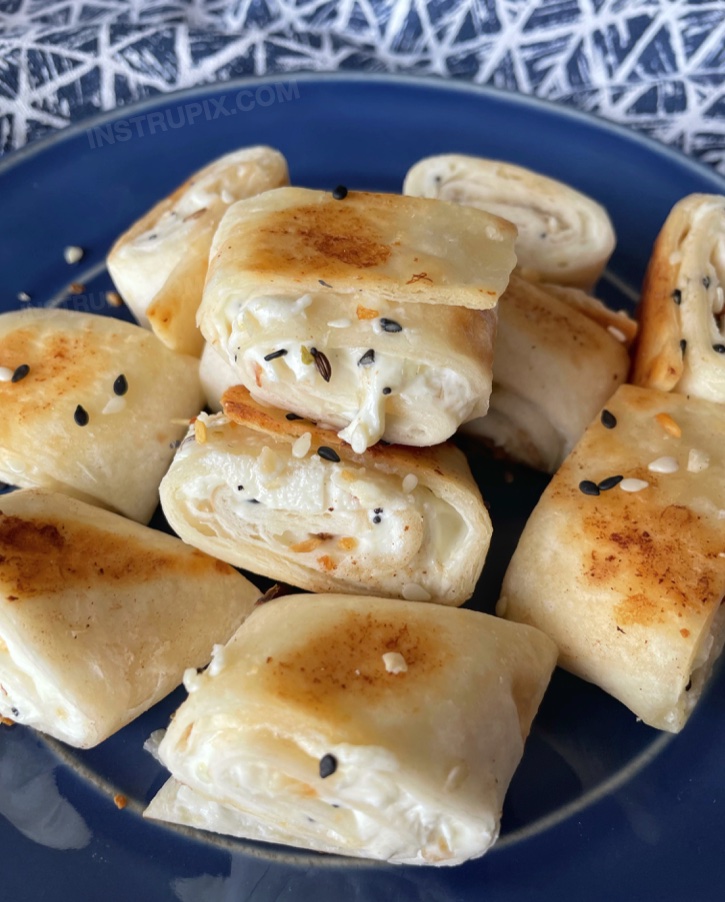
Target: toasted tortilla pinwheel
622,562
373,312
365,727
100,616
681,344
564,236
289,500
159,264
553,369
92,406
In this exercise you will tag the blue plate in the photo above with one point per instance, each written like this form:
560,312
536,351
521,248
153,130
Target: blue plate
601,807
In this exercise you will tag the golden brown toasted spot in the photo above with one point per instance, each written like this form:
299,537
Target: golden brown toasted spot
305,238
344,664
40,557
660,560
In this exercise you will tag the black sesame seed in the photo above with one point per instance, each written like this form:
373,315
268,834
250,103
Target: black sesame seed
377,519
292,416
120,386
339,193
328,766
378,510
688,686
677,296
387,390
367,359
20,372
275,354
683,345
81,416
328,454
719,348
324,283
15,712
390,325
240,488
606,484
706,281
588,487
609,421
324,367
252,501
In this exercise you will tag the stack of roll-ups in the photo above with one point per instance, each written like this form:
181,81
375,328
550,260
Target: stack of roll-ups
349,335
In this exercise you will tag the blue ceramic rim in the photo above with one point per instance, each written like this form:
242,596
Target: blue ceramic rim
433,82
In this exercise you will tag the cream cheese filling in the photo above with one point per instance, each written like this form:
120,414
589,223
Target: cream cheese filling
335,516
375,378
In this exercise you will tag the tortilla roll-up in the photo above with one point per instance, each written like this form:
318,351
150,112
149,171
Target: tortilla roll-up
553,369
563,235
92,406
365,727
100,616
289,500
622,561
160,263
374,312
681,344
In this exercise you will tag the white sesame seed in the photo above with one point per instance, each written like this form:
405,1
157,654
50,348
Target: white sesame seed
617,333
73,254
114,405
633,485
409,483
394,662
414,592
5,374
697,461
24,296
302,445
227,196
664,465
339,323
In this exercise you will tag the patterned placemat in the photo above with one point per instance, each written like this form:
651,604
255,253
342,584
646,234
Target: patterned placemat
654,65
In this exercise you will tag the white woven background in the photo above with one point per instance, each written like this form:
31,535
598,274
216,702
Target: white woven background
654,65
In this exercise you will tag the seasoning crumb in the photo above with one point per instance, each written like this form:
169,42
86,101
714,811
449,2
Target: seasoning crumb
200,431
347,543
366,312
120,385
395,662
302,445
73,254
306,546
670,426
76,288
328,766
587,487
20,372
324,368
633,485
664,465
120,800
80,415
609,483
114,299
328,454
697,461
6,722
